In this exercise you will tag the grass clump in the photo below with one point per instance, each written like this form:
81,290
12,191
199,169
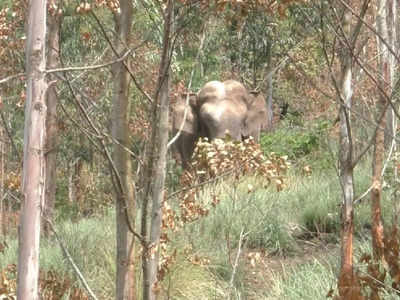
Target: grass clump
310,281
187,281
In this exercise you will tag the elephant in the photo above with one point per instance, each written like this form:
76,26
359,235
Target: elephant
227,107
222,109
256,118
189,135
217,109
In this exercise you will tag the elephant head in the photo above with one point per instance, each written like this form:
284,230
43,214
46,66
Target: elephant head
228,106
222,108
188,127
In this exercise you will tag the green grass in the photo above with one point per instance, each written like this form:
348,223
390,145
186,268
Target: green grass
310,281
90,243
267,220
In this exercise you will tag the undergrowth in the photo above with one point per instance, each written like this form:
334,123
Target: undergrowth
251,218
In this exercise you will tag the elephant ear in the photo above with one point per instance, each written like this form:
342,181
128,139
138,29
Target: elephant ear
256,117
187,139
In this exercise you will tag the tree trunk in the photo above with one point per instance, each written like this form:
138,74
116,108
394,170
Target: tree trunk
346,277
34,166
391,25
379,145
151,281
81,183
71,181
53,43
2,198
124,197
270,109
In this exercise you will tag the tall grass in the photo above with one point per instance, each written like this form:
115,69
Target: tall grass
260,217
311,281
91,244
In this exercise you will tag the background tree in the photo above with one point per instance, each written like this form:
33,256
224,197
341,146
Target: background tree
53,46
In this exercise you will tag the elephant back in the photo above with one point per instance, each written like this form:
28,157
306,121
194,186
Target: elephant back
216,91
212,91
236,92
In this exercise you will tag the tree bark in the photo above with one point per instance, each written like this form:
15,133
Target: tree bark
346,275
34,166
3,230
124,198
151,281
270,86
379,145
53,43
391,25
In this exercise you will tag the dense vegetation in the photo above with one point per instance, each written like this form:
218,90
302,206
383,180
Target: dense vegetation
255,222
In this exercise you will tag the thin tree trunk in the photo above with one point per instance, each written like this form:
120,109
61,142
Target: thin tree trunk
34,166
270,110
2,198
71,180
379,145
81,181
151,280
391,24
346,277
393,31
124,199
53,42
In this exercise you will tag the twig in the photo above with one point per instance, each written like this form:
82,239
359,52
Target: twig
235,265
107,154
11,77
14,197
123,57
71,261
202,183
10,137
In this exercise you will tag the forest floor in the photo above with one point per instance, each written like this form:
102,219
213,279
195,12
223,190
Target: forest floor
262,273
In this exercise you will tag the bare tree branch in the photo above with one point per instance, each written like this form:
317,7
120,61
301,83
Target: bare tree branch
4,80
122,58
10,137
138,86
107,154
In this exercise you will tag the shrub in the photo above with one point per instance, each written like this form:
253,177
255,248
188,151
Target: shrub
295,142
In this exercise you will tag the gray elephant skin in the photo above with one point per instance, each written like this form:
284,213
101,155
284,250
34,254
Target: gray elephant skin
218,108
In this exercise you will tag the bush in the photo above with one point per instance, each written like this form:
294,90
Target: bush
295,142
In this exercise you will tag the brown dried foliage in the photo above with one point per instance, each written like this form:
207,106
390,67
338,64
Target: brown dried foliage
13,182
85,7
378,277
215,160
12,39
212,161
51,285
